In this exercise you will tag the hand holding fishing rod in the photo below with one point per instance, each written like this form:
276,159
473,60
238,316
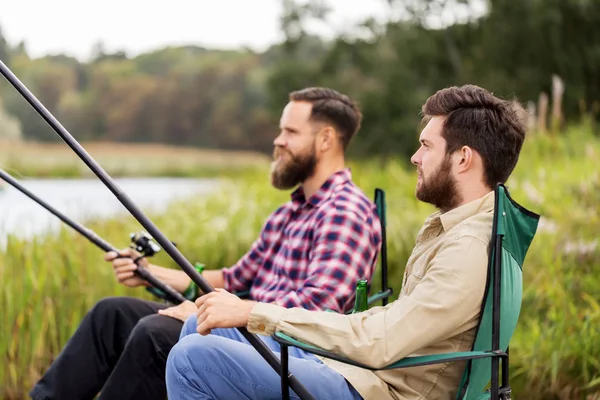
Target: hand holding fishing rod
141,241
137,213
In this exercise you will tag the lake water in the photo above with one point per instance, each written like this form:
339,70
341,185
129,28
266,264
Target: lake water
83,198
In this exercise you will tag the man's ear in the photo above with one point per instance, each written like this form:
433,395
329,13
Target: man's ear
326,138
466,159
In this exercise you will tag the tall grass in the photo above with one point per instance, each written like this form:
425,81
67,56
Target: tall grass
48,284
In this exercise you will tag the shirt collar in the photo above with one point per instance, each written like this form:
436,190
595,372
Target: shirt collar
453,217
325,191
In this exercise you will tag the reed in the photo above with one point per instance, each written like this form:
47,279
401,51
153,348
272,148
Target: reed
48,284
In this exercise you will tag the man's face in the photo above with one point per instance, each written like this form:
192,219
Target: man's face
436,183
294,156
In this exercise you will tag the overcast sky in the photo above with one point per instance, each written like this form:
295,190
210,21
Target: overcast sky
73,26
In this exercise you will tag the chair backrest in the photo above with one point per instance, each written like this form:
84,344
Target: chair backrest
382,214
386,291
512,233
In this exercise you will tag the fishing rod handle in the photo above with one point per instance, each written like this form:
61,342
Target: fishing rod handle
171,294
174,296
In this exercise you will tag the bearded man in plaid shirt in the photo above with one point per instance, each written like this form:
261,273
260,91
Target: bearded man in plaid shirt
310,253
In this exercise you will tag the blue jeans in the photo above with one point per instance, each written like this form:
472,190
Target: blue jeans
223,365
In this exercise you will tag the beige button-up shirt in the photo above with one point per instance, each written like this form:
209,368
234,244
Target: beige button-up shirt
437,311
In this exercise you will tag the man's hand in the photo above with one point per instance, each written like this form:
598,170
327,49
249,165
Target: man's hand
181,311
124,267
221,309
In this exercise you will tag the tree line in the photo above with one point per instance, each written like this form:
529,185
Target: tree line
232,99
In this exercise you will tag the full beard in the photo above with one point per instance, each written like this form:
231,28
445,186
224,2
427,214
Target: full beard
293,170
440,189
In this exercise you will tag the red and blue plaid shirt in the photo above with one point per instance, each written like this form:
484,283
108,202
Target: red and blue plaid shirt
310,253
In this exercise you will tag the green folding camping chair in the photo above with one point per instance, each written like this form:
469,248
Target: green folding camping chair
512,233
386,291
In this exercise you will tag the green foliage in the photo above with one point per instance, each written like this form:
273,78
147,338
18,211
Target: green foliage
47,285
232,99
10,127
514,49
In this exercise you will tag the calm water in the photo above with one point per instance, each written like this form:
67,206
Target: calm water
82,198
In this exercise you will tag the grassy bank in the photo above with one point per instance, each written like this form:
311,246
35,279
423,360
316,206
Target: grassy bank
123,159
47,286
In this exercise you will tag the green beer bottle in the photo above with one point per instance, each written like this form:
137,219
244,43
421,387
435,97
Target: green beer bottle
360,302
191,293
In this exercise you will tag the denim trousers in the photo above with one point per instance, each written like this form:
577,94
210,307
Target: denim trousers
223,365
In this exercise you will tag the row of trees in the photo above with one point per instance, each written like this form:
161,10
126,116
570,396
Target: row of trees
232,99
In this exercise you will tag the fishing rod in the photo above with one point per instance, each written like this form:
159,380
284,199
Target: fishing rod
150,227
142,242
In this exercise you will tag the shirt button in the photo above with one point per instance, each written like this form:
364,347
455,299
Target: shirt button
261,327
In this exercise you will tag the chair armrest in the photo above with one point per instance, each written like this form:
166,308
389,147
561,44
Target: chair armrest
416,361
375,298
379,296
442,358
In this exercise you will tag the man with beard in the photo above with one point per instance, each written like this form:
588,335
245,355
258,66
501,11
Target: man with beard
471,141
309,254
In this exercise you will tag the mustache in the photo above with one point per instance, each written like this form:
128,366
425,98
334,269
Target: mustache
277,151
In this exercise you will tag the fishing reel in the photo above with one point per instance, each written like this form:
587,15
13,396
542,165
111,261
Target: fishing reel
143,243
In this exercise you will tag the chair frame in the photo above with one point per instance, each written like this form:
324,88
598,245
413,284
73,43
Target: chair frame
498,390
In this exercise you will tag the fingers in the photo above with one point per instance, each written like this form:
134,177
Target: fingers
188,304
212,308
209,296
205,327
123,276
169,312
129,252
125,254
173,313
208,321
166,311
122,262
201,313
129,267
181,312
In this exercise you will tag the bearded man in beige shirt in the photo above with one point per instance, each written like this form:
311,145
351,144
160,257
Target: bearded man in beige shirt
471,142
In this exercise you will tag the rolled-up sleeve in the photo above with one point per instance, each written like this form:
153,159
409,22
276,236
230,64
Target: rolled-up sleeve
447,300
239,277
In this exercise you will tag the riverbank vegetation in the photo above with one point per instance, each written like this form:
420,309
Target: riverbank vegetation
47,284
57,160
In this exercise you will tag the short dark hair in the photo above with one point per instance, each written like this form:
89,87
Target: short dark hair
333,107
493,127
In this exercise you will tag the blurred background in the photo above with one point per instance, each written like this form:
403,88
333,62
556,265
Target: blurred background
181,104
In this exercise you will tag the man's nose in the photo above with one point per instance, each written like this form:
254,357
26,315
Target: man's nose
279,141
415,159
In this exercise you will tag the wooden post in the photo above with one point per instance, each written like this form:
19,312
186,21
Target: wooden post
542,113
558,89
531,123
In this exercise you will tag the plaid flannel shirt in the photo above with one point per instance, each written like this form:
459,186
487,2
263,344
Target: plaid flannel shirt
311,252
